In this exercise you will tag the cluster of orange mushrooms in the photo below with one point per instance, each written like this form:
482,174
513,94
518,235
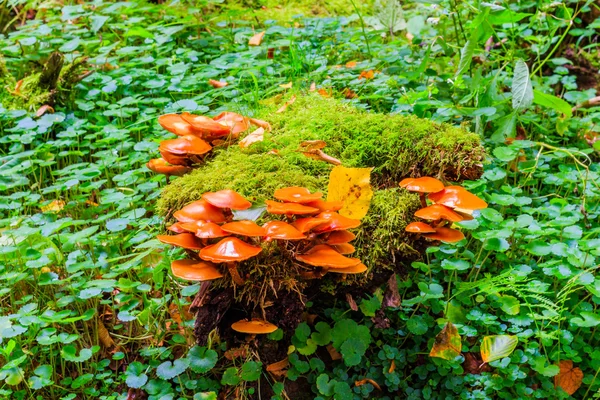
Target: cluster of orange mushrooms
198,134
317,236
450,204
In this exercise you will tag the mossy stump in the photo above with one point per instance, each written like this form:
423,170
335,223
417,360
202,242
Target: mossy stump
395,146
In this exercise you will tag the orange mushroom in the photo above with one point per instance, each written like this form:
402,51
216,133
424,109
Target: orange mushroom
227,199
306,224
206,125
193,270
438,211
326,205
244,228
419,227
457,197
254,327
296,194
177,228
185,240
447,235
357,269
282,231
187,146
175,124
289,209
335,222
422,185
236,123
204,229
343,248
337,237
230,250
200,210
160,166
323,255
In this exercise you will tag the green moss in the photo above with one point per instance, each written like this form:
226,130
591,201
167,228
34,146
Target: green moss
396,146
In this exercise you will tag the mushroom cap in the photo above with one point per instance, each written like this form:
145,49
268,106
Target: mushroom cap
177,228
419,227
275,207
457,197
323,255
244,228
205,125
306,224
175,124
326,205
185,240
204,229
253,327
174,159
230,249
236,123
337,237
200,210
357,269
424,184
438,211
227,199
296,194
282,231
185,145
194,270
447,235
343,248
335,222
160,166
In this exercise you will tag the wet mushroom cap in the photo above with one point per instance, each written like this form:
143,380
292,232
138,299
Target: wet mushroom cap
200,210
424,184
419,227
357,269
235,122
227,199
447,235
244,228
206,125
438,211
175,159
306,224
160,166
177,228
326,205
343,248
253,327
230,249
323,255
457,197
282,231
296,194
275,207
175,124
335,222
337,237
204,229
404,182
185,145
185,240
194,270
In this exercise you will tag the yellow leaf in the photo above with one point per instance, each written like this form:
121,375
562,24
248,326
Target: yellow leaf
286,85
256,136
53,206
256,39
447,343
352,186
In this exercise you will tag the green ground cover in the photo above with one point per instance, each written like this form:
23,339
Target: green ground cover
88,307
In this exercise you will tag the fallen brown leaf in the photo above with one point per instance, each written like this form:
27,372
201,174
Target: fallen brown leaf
217,84
286,104
367,380
569,378
370,74
256,40
313,87
256,136
104,336
351,64
333,353
43,109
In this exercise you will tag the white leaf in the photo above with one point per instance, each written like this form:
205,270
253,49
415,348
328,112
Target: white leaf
522,91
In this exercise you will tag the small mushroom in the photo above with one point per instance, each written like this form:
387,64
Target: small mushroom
206,125
337,237
289,209
326,205
186,147
244,228
335,222
282,231
323,255
200,210
419,227
235,122
422,185
177,228
307,224
296,194
185,240
457,197
357,269
438,211
160,166
227,199
194,270
204,229
343,248
230,251
175,124
447,235
254,327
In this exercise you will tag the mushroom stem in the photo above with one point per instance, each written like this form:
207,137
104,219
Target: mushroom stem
167,178
235,275
423,201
